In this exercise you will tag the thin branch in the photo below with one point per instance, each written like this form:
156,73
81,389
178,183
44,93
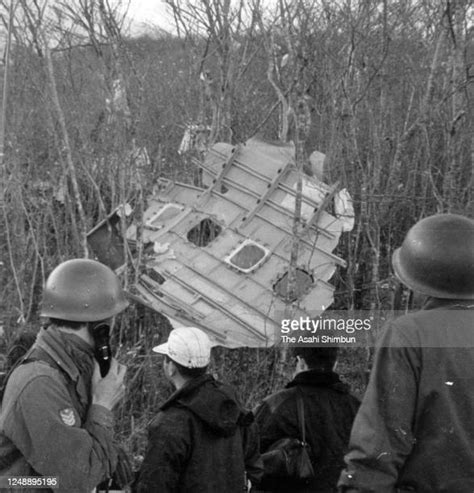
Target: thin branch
67,147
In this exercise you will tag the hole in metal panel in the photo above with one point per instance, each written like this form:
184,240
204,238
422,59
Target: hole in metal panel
204,232
248,256
155,275
167,212
304,280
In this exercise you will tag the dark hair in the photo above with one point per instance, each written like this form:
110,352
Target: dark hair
68,324
188,373
317,357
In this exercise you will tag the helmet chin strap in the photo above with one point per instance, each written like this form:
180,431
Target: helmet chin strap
100,332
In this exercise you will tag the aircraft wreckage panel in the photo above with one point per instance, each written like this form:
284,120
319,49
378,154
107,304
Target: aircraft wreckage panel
218,258
266,158
184,193
233,319
213,260
247,162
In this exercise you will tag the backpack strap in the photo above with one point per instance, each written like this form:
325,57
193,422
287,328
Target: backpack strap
301,420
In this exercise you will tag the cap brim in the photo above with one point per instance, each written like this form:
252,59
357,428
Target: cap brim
161,349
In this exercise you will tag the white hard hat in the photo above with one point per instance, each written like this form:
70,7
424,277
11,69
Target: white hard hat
188,346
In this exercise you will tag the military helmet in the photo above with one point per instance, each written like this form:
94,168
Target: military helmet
437,257
82,290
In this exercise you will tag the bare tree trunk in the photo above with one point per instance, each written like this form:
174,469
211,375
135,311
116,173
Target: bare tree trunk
452,177
303,122
70,168
5,237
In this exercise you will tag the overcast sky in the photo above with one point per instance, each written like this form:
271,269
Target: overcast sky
149,13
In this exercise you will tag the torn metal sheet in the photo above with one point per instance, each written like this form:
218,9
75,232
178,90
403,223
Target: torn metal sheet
106,240
218,257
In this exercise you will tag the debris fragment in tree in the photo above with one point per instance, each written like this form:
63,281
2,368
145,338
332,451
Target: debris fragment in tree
344,209
222,253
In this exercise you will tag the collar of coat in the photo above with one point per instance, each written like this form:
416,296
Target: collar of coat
187,389
432,303
318,378
66,350
213,402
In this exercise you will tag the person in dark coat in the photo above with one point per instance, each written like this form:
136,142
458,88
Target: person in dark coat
415,429
329,411
202,440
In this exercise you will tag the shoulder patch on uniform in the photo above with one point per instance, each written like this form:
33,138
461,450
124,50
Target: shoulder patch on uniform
67,416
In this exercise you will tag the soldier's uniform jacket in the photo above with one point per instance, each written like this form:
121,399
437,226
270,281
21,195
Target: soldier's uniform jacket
48,426
415,428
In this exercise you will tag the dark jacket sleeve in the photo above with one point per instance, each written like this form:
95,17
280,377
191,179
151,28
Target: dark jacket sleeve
382,436
166,456
47,430
252,458
272,424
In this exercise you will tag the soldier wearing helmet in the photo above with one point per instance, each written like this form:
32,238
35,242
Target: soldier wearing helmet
56,419
415,428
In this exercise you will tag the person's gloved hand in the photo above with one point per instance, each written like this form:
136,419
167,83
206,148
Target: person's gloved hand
123,474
